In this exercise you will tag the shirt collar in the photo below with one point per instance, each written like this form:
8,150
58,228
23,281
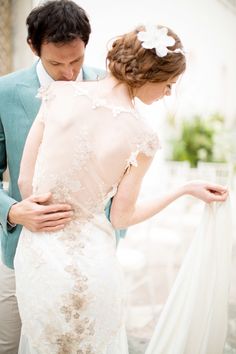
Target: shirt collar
45,79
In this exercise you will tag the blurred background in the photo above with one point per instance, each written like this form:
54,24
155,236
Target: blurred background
196,126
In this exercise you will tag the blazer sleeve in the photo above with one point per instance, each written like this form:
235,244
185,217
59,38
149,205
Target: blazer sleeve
5,201
120,233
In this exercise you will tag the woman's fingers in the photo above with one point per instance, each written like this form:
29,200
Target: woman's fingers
217,196
216,188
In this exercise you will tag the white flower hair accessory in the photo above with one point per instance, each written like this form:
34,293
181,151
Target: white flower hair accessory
157,38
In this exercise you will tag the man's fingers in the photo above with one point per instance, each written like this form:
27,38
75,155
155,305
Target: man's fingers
55,223
58,207
52,229
50,225
53,208
56,216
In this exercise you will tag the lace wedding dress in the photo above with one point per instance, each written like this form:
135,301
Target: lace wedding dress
69,284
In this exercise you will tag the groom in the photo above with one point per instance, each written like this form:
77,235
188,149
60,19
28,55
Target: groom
58,32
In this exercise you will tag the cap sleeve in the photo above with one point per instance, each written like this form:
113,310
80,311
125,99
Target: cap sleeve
149,144
146,142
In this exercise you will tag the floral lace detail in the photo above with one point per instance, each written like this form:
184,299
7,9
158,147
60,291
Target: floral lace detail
74,303
82,150
116,110
101,102
73,243
78,91
45,93
147,144
132,160
65,187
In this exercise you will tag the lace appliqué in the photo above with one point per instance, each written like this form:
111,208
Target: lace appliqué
146,144
82,327
116,110
78,91
132,160
101,102
82,150
74,303
149,144
45,93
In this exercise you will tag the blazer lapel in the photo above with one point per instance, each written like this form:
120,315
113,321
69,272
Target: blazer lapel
27,90
29,102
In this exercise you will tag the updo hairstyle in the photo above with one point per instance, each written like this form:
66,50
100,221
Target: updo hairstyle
134,65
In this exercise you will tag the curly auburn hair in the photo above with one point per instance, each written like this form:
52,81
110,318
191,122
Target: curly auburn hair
57,21
134,65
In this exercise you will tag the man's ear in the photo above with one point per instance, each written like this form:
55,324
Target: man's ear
32,47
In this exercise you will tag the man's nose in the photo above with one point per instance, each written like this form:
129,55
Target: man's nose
68,73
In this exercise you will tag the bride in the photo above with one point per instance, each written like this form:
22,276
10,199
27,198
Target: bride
88,144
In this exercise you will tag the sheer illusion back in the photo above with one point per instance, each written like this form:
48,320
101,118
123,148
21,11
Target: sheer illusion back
88,144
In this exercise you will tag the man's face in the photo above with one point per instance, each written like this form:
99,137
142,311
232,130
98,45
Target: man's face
63,61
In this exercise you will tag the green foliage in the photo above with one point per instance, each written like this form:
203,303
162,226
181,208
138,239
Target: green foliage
195,139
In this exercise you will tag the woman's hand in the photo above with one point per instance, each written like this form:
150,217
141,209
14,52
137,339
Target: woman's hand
206,191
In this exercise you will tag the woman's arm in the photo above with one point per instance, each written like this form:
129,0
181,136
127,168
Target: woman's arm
126,212
29,156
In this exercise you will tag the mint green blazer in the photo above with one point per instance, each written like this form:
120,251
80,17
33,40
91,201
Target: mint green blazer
18,109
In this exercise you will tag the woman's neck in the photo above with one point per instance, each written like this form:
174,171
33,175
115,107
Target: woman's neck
115,91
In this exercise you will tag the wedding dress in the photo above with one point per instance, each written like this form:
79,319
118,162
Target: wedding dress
69,284
70,288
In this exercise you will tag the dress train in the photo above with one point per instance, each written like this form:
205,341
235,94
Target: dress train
194,319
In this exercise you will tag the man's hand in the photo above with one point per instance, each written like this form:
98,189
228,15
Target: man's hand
37,214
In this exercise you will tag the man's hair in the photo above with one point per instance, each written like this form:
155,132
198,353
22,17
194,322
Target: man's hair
57,21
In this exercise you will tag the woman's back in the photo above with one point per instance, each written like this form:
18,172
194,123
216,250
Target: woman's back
87,145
